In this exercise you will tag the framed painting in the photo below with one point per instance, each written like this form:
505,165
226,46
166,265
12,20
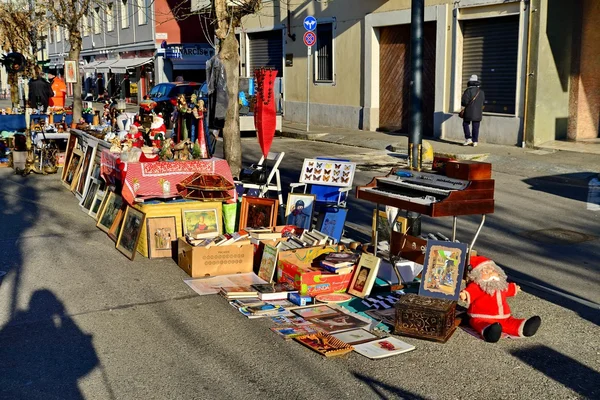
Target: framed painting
108,214
92,188
256,212
383,229
331,222
443,269
202,223
102,204
71,144
87,167
115,228
72,169
355,336
70,71
268,263
131,228
299,210
97,203
161,232
315,311
337,323
364,275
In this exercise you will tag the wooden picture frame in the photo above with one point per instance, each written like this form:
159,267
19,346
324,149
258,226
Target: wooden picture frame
108,214
302,218
86,168
131,229
71,147
97,203
443,269
257,212
268,263
331,222
201,223
364,275
105,195
161,232
92,188
115,228
383,229
72,170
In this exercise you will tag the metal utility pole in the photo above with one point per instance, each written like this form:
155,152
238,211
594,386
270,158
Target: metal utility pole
417,21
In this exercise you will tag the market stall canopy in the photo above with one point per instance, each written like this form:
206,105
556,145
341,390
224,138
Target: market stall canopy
121,66
91,66
104,66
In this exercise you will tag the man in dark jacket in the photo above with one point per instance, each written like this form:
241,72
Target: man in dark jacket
472,100
40,90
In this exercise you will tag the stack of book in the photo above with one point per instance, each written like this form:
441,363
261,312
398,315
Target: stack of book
274,291
257,234
307,239
238,292
238,238
340,263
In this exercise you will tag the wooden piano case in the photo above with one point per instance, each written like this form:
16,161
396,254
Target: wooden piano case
425,317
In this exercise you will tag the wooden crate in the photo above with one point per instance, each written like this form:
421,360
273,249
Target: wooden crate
173,209
425,317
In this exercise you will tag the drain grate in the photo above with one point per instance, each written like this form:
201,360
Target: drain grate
558,236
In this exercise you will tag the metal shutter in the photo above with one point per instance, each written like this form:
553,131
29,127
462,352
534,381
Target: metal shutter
490,49
266,50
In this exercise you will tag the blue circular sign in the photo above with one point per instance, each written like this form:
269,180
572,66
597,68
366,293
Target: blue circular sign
310,39
310,23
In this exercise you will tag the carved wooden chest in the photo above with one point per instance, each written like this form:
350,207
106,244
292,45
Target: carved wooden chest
425,317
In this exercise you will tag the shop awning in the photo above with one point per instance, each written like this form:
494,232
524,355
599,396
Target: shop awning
104,66
189,63
91,67
121,66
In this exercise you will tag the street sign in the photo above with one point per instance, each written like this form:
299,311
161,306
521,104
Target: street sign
310,39
310,23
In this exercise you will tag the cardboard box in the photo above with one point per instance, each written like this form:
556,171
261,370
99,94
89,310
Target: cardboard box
296,267
201,262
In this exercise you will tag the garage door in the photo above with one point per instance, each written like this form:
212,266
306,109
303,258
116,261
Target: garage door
266,50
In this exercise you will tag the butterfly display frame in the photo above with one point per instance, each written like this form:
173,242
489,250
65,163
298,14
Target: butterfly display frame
327,172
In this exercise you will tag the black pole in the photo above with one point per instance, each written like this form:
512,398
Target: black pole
416,98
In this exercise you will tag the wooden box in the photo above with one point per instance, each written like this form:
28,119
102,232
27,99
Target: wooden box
172,209
425,317
468,170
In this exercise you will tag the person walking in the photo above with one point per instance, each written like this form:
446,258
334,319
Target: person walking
40,91
472,100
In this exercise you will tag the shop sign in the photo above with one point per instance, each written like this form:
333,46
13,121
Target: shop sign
183,51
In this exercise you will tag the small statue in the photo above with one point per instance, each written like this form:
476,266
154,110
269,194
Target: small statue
182,151
158,131
166,154
116,145
135,136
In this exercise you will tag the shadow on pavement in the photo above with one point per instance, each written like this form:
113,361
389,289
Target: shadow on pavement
383,390
44,357
554,184
563,369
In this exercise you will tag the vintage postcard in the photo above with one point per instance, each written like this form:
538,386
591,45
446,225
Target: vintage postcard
443,269
381,348
355,336
315,311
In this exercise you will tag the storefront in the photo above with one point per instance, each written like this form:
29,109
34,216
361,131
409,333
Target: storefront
188,60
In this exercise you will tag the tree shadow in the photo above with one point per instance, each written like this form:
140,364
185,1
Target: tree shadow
44,353
561,368
383,390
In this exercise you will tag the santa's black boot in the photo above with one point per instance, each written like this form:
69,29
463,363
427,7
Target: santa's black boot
531,326
492,333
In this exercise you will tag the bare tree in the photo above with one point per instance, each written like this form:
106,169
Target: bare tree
69,14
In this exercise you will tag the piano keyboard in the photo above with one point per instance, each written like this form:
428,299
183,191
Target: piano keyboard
402,183
427,200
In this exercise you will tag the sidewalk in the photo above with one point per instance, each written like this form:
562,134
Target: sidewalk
573,162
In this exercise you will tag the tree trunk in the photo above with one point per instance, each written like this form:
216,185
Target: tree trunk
232,144
75,39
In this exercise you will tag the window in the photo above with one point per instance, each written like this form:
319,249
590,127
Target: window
490,51
86,25
110,22
124,14
142,12
97,26
324,54
58,33
51,35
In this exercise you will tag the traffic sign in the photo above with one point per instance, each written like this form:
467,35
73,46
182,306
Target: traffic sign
310,23
310,39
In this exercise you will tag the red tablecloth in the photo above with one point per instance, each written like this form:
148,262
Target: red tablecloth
158,179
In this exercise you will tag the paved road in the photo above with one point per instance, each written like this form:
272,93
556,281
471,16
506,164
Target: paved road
79,320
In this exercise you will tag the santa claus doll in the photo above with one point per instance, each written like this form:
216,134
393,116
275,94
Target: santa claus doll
487,308
136,137
158,130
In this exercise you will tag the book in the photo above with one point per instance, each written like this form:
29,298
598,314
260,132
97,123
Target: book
341,259
381,348
290,332
235,237
324,344
246,301
274,291
265,308
230,292
288,305
340,271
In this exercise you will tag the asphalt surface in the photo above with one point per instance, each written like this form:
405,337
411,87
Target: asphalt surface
79,320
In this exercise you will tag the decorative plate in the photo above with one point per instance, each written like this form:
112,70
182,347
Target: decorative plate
333,298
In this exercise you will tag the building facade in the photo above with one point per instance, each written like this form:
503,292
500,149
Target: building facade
359,72
139,39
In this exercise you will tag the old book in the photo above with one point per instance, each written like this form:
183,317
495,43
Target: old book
232,292
274,291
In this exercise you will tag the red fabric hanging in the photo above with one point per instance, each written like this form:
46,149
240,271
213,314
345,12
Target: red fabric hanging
265,112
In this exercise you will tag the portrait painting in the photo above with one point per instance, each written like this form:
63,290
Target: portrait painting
364,275
108,214
443,269
331,222
201,223
299,210
131,228
73,168
258,212
161,232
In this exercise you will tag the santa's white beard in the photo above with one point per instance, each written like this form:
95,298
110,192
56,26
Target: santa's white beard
492,284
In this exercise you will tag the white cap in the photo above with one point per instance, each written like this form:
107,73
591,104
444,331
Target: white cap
473,78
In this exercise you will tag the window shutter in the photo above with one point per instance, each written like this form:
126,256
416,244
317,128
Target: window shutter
266,50
324,54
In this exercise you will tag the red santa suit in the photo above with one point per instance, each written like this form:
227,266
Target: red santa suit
485,309
136,136
158,130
